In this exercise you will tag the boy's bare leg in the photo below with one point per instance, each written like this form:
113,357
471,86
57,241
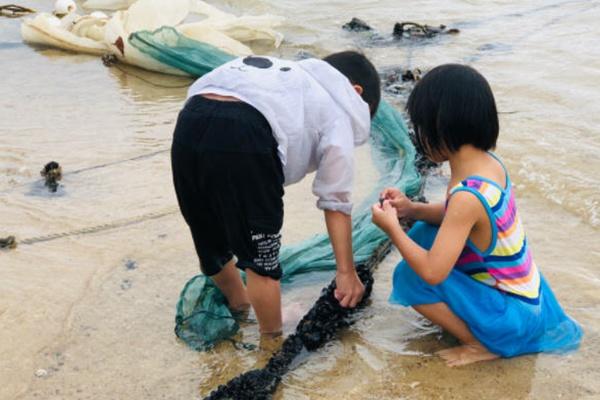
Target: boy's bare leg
470,351
265,297
231,284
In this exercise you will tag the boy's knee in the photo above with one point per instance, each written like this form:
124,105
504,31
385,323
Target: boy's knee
267,277
212,264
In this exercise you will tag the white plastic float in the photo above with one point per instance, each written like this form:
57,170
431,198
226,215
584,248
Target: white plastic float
46,29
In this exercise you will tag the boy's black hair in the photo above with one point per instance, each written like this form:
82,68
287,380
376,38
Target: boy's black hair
450,106
359,71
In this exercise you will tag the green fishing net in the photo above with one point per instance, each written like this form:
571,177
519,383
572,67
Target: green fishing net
203,318
172,48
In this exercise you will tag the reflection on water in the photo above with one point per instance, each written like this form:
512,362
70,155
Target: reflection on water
102,330
149,88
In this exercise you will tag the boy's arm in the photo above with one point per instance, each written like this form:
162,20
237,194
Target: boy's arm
350,289
333,186
433,265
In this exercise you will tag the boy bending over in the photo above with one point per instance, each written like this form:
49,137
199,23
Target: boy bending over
249,128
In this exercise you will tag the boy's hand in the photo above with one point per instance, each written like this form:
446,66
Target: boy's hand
385,217
403,205
350,290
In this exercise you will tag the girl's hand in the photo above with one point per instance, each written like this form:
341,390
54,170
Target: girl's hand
385,217
403,205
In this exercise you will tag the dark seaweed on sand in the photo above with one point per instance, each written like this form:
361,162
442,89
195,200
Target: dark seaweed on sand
321,324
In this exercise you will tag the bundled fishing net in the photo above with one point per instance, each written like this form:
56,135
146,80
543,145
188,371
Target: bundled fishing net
203,317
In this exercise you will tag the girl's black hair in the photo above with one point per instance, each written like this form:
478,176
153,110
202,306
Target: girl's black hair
451,106
359,71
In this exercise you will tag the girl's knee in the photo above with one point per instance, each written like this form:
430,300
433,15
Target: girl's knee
409,288
402,273
423,234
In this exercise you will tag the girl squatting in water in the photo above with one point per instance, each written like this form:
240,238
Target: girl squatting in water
467,264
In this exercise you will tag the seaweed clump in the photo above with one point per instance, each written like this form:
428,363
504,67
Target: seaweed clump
321,324
357,25
9,242
404,30
52,173
400,81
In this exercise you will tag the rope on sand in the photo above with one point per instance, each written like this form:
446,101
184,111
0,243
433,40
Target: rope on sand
109,164
15,11
93,167
11,242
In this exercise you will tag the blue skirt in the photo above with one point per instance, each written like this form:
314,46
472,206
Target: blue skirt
505,324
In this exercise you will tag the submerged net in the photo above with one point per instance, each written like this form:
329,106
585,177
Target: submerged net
203,318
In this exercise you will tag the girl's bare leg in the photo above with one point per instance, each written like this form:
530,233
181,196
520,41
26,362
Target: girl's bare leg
470,351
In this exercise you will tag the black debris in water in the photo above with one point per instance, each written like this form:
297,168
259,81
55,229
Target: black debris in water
109,60
9,242
411,75
356,25
14,11
400,81
131,264
52,173
407,30
402,30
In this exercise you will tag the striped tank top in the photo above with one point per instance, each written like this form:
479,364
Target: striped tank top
507,264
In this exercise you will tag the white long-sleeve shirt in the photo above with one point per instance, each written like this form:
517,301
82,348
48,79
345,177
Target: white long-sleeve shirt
314,112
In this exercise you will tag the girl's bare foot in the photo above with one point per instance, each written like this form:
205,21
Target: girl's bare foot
466,354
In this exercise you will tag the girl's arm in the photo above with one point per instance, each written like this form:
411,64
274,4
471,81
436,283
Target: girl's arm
431,213
433,266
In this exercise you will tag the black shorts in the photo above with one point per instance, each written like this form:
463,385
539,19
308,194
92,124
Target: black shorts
229,183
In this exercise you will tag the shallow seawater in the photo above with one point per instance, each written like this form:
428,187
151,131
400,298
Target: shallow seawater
95,311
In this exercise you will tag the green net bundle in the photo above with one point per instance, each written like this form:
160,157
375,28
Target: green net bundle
203,318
